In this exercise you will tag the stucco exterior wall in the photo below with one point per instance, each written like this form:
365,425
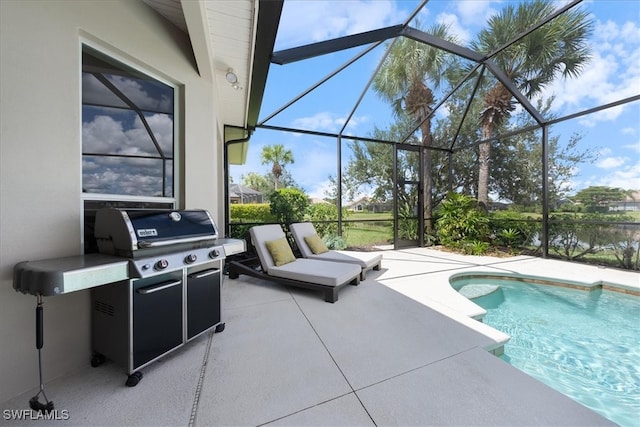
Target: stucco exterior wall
40,158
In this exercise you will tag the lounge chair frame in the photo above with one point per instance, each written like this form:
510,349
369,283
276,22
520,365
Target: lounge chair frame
236,268
253,267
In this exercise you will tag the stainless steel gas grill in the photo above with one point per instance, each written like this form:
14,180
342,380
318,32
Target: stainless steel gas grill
155,283
173,293
158,241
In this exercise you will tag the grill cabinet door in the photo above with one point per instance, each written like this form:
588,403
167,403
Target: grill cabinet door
203,301
157,316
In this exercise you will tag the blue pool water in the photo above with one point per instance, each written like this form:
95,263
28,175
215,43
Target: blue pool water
585,344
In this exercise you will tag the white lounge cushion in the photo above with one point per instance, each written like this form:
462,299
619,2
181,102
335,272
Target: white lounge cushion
366,260
315,271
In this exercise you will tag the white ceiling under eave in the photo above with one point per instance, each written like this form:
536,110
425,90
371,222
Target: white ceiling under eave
222,34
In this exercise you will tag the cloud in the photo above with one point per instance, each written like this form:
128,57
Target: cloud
627,178
611,162
463,18
326,122
102,135
604,151
311,21
456,28
316,160
319,190
117,175
612,74
475,12
635,147
620,172
123,176
106,135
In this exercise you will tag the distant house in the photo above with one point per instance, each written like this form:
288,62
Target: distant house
240,194
631,203
368,204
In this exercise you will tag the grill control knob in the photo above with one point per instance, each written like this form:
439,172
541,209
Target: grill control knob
191,258
162,264
214,253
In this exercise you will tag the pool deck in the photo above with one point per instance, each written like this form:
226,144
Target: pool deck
402,348
439,267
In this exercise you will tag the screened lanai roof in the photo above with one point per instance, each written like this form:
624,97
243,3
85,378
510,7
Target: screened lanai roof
326,85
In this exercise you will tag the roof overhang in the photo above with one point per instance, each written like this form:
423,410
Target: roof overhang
268,19
230,34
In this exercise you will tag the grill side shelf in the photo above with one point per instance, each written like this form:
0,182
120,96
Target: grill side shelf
58,276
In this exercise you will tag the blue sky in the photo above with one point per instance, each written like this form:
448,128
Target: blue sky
613,74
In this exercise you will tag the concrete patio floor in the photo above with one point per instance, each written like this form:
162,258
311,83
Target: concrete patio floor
399,349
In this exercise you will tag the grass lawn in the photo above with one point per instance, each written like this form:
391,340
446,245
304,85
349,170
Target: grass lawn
377,228
369,215
358,237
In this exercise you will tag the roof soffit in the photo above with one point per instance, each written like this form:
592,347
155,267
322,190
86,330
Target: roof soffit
222,36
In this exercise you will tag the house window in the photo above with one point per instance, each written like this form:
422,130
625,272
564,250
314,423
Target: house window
128,141
127,130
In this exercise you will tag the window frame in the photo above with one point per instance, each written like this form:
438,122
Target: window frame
125,200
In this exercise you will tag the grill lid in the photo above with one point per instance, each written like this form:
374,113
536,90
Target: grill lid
132,233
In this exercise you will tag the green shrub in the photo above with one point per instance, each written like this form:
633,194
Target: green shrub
461,222
251,212
474,247
407,223
512,229
335,242
509,237
319,213
289,205
239,231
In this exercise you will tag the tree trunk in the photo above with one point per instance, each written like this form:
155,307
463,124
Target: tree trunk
427,178
484,156
498,106
418,105
276,170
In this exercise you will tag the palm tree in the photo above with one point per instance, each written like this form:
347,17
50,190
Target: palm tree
278,156
558,48
402,80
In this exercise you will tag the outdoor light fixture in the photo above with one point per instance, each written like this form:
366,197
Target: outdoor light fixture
232,78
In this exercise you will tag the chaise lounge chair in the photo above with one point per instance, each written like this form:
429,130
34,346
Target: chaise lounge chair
278,264
312,247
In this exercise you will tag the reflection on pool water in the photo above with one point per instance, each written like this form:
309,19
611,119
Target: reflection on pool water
585,344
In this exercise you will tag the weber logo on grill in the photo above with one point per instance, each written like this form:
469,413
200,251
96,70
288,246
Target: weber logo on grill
147,232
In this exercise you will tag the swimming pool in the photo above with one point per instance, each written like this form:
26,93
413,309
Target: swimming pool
585,344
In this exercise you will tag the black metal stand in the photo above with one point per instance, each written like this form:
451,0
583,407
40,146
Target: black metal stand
34,403
251,267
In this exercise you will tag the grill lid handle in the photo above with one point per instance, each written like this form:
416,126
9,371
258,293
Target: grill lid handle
142,244
159,287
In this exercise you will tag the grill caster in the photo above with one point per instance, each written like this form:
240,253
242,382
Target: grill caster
134,379
219,327
97,360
